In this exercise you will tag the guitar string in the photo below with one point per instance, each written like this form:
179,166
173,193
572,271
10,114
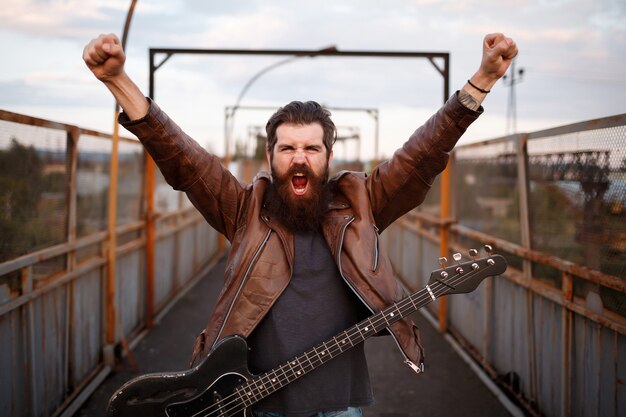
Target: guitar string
237,398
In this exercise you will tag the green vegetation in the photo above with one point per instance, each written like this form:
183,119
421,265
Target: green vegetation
32,213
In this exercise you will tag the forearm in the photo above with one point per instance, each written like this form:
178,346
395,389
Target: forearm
128,95
472,97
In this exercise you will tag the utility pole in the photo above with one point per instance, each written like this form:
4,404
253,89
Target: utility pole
511,111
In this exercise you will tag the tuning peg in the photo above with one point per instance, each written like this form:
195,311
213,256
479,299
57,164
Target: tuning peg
489,250
474,253
457,257
442,263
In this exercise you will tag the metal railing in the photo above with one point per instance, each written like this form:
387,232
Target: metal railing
552,330
54,314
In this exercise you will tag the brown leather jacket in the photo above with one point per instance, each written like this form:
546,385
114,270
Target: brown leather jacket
260,263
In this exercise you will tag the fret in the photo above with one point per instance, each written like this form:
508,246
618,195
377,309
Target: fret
242,397
292,371
341,343
273,379
398,312
360,332
371,328
336,343
277,379
391,316
298,373
250,393
265,383
424,300
318,355
306,355
326,352
347,339
377,322
284,380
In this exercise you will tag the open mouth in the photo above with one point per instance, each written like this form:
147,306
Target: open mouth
299,183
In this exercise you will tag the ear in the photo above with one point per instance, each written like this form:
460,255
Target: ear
330,157
269,162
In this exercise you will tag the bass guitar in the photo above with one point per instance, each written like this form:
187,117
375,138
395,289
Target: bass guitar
222,386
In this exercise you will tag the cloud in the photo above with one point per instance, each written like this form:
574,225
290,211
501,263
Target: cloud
60,17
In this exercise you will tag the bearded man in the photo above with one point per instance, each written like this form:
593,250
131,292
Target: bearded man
304,262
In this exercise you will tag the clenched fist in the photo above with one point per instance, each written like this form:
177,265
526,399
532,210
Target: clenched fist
498,53
105,57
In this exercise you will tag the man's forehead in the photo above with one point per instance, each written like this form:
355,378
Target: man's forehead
309,132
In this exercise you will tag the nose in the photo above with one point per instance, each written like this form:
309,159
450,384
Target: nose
299,156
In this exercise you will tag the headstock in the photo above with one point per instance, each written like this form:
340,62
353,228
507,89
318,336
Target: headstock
464,277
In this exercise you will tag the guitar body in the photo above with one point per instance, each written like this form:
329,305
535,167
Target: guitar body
198,391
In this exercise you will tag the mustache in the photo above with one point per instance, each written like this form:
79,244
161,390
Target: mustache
300,168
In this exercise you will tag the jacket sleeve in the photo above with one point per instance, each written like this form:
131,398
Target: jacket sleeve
401,183
188,167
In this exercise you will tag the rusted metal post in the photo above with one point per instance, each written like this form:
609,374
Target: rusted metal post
445,209
71,201
149,173
443,241
112,235
523,186
112,215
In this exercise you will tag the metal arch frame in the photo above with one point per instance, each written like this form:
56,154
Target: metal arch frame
431,56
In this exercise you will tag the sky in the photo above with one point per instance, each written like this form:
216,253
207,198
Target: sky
572,52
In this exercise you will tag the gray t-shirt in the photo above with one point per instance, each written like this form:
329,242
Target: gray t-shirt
316,305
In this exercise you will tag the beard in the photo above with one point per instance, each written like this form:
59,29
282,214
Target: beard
299,213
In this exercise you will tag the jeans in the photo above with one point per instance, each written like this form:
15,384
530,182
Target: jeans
350,412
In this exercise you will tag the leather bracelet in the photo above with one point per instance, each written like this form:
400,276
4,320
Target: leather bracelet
482,90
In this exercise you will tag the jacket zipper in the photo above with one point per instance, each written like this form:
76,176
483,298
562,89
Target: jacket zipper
416,368
243,281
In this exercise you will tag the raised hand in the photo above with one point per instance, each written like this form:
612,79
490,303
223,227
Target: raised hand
105,57
498,53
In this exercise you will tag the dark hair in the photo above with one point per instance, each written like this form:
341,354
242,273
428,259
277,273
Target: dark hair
300,113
